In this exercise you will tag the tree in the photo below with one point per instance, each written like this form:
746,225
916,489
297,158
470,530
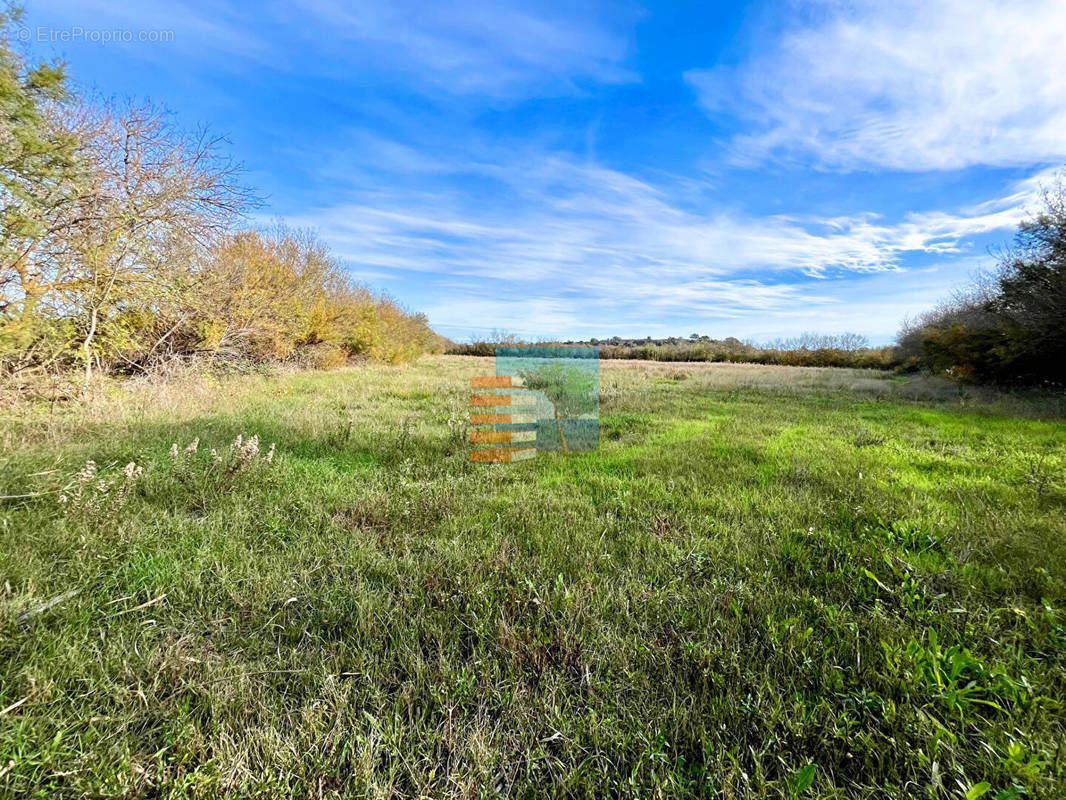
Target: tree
281,295
1030,296
569,389
38,180
852,341
1010,326
247,303
156,199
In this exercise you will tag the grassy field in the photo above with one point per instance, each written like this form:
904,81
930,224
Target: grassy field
769,582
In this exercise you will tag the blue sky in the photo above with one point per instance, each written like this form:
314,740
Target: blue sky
595,169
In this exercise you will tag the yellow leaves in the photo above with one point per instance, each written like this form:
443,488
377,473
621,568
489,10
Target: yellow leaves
255,297
279,296
210,333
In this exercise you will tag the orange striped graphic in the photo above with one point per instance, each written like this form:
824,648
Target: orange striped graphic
490,419
490,399
493,381
490,437
502,437
483,415
502,454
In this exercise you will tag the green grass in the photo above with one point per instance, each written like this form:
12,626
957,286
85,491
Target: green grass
769,582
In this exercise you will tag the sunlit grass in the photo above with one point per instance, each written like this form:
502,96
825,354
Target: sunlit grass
762,571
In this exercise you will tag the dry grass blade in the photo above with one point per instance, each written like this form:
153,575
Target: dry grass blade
47,604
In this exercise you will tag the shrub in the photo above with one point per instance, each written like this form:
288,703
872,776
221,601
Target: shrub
1010,328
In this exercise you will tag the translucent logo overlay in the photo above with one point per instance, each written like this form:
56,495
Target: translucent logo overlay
540,398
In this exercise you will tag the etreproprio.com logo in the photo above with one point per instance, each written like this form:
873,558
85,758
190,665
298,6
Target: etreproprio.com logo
77,33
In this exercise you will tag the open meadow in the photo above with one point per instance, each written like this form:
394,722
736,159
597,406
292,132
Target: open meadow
769,582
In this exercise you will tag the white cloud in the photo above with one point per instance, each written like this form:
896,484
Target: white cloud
555,216
576,246
917,85
459,47
468,46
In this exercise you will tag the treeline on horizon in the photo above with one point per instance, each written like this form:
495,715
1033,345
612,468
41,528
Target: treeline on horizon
123,246
807,350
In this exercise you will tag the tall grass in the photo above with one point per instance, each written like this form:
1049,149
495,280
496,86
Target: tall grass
769,582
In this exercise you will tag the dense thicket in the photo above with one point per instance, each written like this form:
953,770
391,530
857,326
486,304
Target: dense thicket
1010,328
120,247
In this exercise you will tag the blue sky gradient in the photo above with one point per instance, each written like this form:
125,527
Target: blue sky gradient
575,170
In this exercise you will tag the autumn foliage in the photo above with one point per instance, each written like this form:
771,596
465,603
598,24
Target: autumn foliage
122,248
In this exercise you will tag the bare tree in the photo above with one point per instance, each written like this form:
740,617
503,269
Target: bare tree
156,197
852,341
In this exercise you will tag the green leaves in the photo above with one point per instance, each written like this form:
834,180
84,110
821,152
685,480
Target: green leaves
37,154
803,779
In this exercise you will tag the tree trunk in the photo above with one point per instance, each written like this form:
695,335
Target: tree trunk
85,345
559,427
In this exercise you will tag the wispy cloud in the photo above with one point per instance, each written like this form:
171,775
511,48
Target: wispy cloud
553,215
561,239
466,46
454,47
915,85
